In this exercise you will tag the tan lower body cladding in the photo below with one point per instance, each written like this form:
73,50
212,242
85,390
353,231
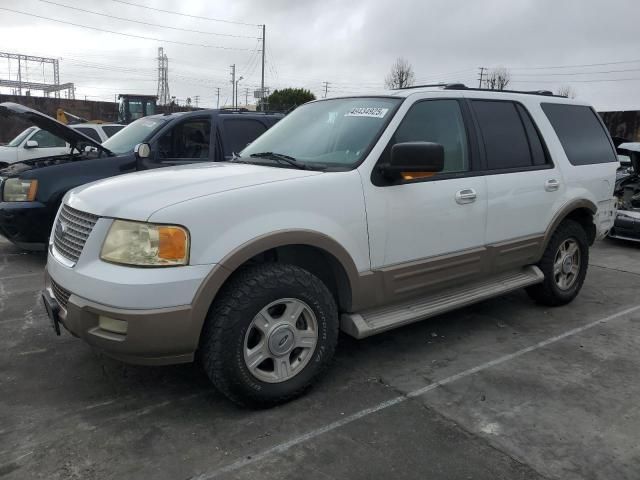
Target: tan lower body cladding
396,283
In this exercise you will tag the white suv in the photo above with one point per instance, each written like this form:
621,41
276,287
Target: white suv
35,142
362,214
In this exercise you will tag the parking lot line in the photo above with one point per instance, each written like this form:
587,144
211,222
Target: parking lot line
283,447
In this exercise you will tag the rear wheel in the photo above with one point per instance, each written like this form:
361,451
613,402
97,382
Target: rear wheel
271,332
564,264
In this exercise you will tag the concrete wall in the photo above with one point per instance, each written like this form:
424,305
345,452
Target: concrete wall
89,109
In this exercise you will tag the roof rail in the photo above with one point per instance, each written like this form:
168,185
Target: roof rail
462,86
246,110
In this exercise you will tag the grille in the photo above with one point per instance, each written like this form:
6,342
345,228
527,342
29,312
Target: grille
61,295
71,232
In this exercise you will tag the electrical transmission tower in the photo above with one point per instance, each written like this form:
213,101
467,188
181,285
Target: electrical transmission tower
164,97
20,83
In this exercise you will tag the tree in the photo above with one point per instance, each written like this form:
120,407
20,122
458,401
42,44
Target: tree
400,76
497,79
289,98
566,91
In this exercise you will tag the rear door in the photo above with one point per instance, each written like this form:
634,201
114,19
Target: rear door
523,184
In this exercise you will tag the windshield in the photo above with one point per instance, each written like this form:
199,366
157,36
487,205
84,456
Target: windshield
138,132
20,138
328,133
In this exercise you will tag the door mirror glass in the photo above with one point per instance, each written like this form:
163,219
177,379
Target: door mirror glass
412,157
142,150
31,144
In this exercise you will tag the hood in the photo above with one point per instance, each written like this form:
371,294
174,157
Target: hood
45,122
136,196
632,150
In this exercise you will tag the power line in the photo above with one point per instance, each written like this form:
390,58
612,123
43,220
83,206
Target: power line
574,66
575,73
580,81
173,12
93,12
119,33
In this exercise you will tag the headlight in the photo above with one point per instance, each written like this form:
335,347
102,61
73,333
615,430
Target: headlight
18,190
146,244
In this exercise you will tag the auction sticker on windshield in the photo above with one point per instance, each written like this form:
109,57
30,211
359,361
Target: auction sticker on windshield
372,112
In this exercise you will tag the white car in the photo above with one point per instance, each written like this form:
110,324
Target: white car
363,214
36,143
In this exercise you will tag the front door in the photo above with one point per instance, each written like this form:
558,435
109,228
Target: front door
429,232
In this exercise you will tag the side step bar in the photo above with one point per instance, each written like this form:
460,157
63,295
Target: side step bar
370,322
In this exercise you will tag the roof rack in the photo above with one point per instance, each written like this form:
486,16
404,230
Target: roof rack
462,86
246,110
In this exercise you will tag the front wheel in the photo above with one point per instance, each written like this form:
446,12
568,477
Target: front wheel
564,265
271,332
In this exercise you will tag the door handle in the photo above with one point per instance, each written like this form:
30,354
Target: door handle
551,185
466,195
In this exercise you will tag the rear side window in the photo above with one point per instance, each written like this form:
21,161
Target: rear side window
90,132
110,130
504,136
240,132
581,133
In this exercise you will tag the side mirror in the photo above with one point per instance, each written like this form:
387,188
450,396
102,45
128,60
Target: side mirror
410,157
31,144
142,150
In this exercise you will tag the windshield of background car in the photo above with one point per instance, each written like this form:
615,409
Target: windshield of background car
137,132
20,138
331,133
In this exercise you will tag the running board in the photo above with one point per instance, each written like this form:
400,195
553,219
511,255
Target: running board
370,322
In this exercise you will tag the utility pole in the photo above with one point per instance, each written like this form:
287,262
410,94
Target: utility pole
246,96
197,99
264,47
482,69
326,89
237,82
233,83
218,99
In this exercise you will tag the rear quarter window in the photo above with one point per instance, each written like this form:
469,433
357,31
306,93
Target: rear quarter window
582,135
110,130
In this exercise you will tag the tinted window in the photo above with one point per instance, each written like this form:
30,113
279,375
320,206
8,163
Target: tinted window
503,134
240,132
437,121
109,130
89,132
47,140
581,134
186,140
538,152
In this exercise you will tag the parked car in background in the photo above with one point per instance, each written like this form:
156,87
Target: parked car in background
31,190
35,142
627,191
363,213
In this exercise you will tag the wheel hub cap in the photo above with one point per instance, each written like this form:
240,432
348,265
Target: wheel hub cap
281,340
567,264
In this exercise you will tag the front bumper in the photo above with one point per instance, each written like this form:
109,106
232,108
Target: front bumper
26,224
626,226
153,336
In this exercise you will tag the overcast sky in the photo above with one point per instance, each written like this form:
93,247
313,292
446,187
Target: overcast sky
350,44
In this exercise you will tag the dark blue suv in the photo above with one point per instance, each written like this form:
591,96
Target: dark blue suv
31,191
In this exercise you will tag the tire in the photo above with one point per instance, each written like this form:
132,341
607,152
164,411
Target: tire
250,319
561,288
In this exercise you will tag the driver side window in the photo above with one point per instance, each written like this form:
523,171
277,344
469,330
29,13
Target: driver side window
437,121
47,140
188,140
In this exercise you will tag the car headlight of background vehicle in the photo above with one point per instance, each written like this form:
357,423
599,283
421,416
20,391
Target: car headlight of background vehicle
19,190
146,244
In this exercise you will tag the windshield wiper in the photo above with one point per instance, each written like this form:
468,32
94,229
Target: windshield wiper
280,157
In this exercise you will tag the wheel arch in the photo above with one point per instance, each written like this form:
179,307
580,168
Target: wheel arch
314,251
582,211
